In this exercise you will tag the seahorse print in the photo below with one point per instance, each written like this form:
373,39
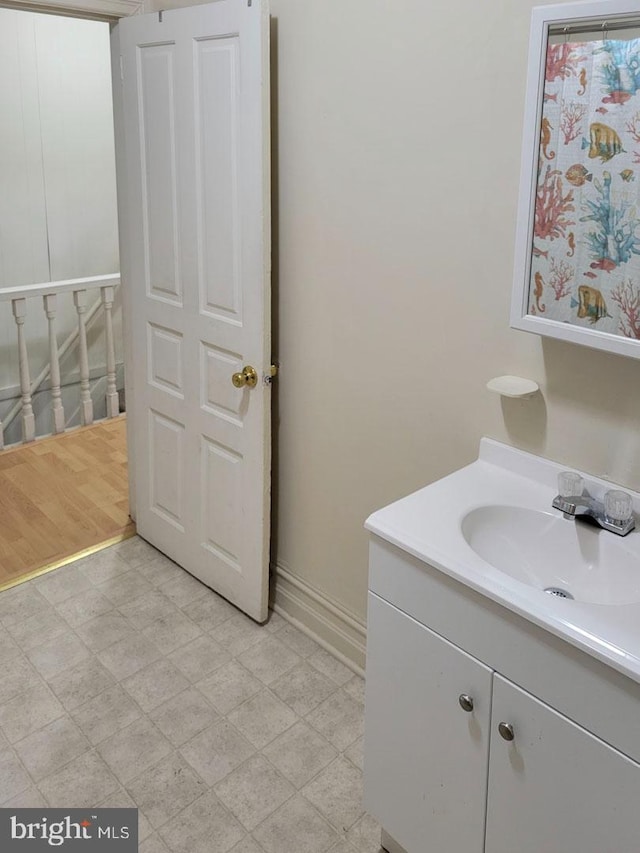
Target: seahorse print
537,292
545,138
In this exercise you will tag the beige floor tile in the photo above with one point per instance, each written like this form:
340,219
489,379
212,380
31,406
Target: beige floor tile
144,610
337,793
296,826
159,570
254,791
135,551
355,753
57,655
31,798
50,748
195,828
274,622
340,718
62,584
153,844
78,685
298,641
121,799
81,608
184,589
262,718
269,659
84,782
103,566
104,631
217,751
209,611
154,684
14,779
237,633
229,686
247,845
304,688
365,834
124,588
184,716
21,603
8,647
355,688
16,676
130,655
300,753
166,789
331,667
106,714
41,628
171,631
28,712
200,658
133,750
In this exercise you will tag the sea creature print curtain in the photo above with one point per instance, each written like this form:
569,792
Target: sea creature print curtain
586,236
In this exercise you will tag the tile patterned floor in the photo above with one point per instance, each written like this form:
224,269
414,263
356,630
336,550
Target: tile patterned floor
126,682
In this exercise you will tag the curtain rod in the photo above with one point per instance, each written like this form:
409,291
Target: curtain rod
601,26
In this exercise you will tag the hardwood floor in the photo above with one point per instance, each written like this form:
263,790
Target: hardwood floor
60,496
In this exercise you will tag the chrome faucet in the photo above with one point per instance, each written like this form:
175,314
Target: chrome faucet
614,513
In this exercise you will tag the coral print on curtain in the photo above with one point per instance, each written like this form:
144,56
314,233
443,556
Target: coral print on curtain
586,237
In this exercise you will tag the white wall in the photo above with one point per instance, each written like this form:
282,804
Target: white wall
397,133
57,171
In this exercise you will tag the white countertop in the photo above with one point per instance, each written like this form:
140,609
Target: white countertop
427,524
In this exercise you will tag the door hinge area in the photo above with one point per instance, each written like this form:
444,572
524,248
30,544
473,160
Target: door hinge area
121,68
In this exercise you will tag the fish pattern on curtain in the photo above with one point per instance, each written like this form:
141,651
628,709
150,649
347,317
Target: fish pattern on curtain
586,237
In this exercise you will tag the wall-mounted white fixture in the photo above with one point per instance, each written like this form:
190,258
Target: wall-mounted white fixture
513,386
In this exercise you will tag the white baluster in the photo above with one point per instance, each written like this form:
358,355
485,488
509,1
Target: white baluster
86,404
57,411
28,421
113,404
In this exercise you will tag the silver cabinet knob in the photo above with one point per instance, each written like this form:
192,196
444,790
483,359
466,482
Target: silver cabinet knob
506,731
466,702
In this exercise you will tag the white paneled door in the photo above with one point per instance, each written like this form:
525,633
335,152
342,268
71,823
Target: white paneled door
193,177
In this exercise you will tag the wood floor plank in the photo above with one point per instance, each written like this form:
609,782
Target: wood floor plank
62,495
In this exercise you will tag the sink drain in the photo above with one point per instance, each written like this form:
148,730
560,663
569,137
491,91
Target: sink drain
559,593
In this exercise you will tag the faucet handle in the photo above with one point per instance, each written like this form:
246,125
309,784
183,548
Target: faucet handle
618,505
569,484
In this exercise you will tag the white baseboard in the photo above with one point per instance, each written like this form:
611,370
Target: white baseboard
318,616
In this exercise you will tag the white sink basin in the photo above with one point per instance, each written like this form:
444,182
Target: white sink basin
549,552
491,527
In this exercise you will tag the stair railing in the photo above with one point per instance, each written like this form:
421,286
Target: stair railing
49,292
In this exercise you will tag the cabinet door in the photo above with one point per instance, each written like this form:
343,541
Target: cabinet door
425,764
555,788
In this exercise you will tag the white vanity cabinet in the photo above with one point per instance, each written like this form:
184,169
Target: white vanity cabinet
441,777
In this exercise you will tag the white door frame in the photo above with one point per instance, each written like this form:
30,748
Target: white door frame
105,10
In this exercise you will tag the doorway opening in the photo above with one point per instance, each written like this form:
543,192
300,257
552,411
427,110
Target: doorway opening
61,348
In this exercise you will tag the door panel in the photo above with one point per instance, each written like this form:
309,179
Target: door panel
196,262
556,788
425,758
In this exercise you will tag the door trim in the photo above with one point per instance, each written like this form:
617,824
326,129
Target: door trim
105,10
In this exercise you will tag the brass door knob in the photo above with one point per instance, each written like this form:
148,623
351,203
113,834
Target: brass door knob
247,377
